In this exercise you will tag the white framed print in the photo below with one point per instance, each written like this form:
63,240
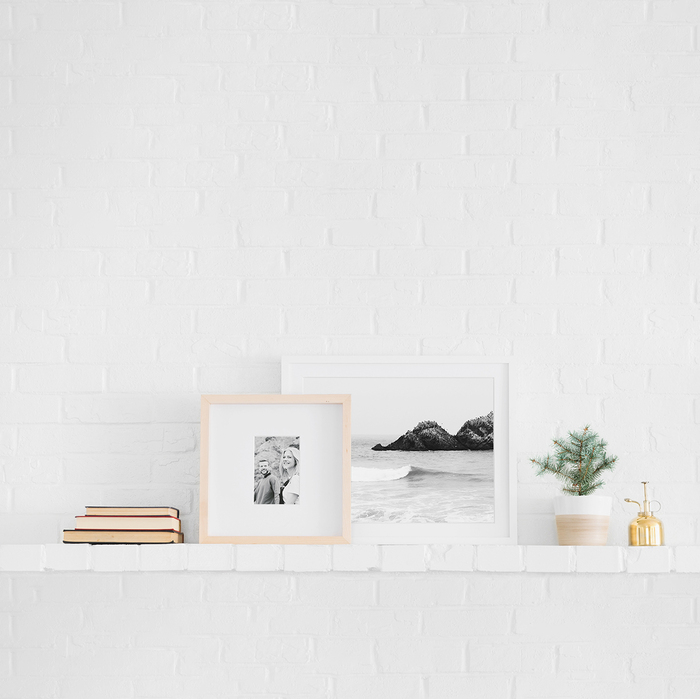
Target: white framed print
432,459
275,469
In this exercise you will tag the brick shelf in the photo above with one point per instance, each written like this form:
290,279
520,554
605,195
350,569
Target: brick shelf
404,558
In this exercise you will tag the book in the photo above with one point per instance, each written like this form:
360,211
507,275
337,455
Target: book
128,522
92,536
137,511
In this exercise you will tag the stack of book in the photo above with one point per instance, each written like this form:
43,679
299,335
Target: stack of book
126,525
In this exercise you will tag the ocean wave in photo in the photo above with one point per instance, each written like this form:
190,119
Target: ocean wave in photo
420,486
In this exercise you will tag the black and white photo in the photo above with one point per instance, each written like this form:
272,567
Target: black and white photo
430,445
426,461
277,471
422,451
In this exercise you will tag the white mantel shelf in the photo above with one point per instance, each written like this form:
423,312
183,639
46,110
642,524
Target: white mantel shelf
350,558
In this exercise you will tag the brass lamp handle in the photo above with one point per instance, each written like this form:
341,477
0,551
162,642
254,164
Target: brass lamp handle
657,509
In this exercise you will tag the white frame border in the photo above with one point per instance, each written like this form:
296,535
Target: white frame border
290,368
269,399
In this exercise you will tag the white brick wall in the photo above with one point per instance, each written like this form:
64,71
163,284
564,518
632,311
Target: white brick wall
344,635
190,190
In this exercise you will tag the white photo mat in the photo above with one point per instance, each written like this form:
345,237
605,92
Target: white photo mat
230,425
340,374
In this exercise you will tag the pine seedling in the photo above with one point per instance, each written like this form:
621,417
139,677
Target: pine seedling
579,462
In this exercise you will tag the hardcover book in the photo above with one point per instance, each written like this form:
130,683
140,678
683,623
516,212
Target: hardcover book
128,522
91,536
138,511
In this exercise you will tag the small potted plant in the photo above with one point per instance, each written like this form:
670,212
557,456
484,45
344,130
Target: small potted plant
579,462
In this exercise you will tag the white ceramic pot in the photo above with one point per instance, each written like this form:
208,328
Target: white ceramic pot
582,521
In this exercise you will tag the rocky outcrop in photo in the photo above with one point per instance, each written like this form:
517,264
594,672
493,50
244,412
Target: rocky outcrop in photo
474,435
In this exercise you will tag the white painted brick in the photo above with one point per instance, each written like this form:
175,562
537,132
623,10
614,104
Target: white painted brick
549,559
45,263
287,292
447,204
421,20
57,377
434,320
21,557
460,233
485,621
674,260
644,409
467,292
328,321
237,322
451,557
422,146
406,346
494,658
648,559
280,232
411,655
29,409
564,290
115,350
495,18
687,559
337,204
162,557
115,557
602,320
472,117
400,558
334,263
334,83
494,261
317,18
599,559
460,51
351,686
385,117
67,556
650,290
379,292
303,142
419,262
307,558
376,50
418,83
467,684
210,557
499,558
654,350
438,174
245,379
579,350
258,557
355,557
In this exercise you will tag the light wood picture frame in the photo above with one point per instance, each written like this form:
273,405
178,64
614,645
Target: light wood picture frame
246,439
458,491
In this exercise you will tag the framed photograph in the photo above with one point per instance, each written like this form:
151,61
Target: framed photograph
275,469
432,460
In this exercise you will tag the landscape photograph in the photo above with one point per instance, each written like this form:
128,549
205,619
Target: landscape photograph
422,448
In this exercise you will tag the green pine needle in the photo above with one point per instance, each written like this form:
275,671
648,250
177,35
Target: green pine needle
578,462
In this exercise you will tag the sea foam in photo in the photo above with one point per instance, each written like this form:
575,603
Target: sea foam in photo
420,486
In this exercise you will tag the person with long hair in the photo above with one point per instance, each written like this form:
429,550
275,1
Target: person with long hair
289,466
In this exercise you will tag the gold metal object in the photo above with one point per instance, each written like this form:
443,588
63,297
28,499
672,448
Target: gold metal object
645,529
